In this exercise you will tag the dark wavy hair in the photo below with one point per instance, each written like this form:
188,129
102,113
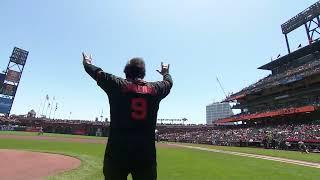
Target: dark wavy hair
135,68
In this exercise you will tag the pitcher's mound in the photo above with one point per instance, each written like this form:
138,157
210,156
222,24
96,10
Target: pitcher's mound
25,165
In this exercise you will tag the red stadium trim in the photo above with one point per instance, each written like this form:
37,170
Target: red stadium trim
280,112
241,96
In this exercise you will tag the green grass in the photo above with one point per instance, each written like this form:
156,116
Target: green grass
20,133
312,157
173,163
176,164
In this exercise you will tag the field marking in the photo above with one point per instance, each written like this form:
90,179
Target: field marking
270,158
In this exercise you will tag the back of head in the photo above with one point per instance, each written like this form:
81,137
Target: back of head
135,69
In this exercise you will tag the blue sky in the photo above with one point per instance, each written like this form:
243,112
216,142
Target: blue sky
201,39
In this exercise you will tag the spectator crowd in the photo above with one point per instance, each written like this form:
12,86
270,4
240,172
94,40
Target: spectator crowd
285,77
309,133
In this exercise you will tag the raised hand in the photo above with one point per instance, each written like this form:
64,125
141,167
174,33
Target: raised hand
164,69
86,59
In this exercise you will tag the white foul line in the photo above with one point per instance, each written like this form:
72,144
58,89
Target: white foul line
290,161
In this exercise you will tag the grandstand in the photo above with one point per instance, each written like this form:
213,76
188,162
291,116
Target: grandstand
279,110
292,89
31,123
62,126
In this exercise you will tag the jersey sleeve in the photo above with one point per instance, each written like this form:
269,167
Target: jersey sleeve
163,87
106,81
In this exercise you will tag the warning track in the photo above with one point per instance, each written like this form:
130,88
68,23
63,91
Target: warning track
270,158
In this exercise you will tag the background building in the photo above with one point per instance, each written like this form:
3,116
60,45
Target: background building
217,111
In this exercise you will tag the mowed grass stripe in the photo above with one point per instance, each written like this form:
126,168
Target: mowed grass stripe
21,133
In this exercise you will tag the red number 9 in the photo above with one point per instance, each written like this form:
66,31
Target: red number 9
139,108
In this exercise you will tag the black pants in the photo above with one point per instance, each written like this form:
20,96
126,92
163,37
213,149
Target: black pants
114,171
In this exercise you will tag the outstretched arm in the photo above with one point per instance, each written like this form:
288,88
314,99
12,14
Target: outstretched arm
165,73
91,69
105,80
163,87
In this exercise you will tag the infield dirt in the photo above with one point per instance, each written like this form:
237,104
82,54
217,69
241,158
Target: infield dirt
26,165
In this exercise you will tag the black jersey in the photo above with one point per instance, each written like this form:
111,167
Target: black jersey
133,112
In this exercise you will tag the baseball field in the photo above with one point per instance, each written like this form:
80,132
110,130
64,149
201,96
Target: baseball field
174,162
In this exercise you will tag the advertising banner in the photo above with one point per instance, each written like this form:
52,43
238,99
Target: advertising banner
19,56
79,132
5,104
32,129
2,77
8,89
291,79
13,76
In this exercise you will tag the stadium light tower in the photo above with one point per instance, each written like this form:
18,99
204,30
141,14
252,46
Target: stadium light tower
311,21
184,120
101,116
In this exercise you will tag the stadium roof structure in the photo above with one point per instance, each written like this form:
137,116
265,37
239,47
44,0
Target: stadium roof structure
300,19
308,17
292,56
269,114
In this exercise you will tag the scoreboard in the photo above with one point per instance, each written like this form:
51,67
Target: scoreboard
9,81
8,89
